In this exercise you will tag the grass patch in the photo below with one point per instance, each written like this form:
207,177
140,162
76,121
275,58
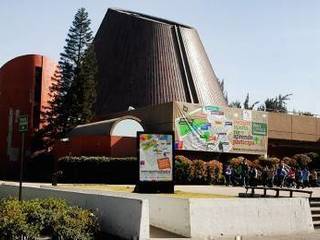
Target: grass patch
99,187
182,194
129,189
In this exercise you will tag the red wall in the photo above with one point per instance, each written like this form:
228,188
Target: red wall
17,88
113,146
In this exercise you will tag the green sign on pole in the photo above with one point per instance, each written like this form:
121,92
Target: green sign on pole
23,123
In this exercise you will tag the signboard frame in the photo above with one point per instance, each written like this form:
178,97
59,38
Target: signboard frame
144,186
23,123
220,129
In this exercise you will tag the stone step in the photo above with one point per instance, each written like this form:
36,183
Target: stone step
314,205
314,199
316,225
316,218
315,211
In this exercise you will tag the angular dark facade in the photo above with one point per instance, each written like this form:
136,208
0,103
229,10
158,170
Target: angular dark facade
143,60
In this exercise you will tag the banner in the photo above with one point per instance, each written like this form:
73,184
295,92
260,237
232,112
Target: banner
220,129
155,157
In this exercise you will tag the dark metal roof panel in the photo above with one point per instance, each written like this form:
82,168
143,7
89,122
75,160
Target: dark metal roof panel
140,63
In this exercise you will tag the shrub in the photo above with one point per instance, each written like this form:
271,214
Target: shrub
262,162
75,223
302,160
292,162
215,172
315,160
183,167
13,220
197,171
235,162
50,217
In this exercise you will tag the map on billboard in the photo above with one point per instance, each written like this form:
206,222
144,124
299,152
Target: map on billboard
220,129
155,157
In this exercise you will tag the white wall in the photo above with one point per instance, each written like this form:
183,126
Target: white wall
205,218
171,214
221,217
118,215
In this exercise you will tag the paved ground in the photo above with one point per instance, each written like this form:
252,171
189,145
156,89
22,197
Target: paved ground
309,236
157,234
234,191
206,189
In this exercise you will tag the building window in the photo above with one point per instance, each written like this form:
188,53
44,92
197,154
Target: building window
37,97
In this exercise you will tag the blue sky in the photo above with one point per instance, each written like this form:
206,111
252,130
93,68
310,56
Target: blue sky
261,47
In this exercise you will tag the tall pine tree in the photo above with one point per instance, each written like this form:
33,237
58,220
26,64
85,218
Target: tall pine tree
73,91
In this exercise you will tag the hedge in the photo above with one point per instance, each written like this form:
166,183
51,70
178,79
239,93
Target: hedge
125,170
98,169
198,171
46,217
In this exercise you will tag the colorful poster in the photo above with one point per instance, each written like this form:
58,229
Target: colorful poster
155,157
220,129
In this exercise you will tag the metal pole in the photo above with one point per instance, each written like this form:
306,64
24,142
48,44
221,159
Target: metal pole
21,166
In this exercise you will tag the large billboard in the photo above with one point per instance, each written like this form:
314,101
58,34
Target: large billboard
220,129
155,157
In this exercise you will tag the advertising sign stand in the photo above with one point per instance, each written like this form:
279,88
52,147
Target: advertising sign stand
155,154
23,127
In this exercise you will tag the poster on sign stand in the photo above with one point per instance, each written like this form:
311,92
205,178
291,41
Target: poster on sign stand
155,153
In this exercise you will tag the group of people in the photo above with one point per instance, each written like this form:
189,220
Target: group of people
282,175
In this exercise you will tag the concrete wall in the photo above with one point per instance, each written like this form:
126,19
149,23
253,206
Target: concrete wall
221,217
171,214
292,127
205,218
121,216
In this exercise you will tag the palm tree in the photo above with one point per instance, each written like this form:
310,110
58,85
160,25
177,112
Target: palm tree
277,104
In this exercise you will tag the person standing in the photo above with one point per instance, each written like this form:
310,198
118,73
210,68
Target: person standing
299,178
305,177
227,174
281,174
264,176
314,178
244,172
253,176
291,177
270,178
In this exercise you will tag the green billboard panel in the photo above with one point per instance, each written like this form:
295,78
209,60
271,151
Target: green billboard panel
259,129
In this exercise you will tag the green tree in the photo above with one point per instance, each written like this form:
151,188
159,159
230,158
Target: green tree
247,105
223,90
235,104
276,104
73,91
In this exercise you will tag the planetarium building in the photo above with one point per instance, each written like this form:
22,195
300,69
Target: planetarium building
159,70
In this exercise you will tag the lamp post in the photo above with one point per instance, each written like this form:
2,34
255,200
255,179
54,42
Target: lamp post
23,128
